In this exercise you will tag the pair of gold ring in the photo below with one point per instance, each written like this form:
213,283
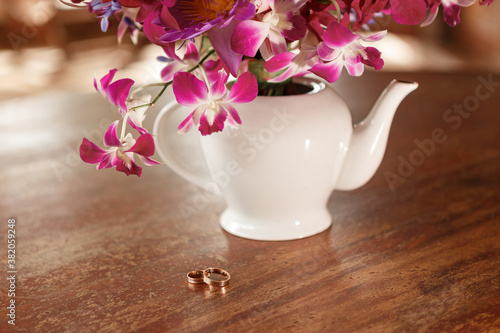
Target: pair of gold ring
211,276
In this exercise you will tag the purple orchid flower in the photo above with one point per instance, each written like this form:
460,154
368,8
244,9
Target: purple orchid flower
121,152
341,47
194,17
212,106
105,10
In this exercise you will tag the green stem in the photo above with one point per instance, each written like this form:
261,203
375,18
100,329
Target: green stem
337,8
160,93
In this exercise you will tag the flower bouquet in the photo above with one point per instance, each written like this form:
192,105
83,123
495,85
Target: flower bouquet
257,46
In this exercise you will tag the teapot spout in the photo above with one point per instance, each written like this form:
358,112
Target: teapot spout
369,139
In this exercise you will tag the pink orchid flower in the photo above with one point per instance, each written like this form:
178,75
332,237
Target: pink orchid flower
341,47
293,64
116,92
451,11
179,63
212,105
121,152
271,32
362,12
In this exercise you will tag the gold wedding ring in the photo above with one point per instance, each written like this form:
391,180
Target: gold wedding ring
195,277
216,277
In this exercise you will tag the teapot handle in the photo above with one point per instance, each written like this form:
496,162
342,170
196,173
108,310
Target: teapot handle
171,147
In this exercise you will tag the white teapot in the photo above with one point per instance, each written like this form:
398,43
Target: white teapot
277,170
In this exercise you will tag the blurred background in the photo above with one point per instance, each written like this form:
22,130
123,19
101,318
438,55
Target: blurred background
46,45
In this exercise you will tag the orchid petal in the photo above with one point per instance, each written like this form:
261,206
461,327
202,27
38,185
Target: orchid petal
452,14
408,12
248,36
144,145
148,161
326,53
106,80
118,92
376,36
288,73
212,68
430,18
274,44
168,72
186,124
188,89
354,65
218,88
217,124
167,19
336,35
244,90
90,152
373,58
153,32
299,28
279,61
219,39
464,3
134,169
233,117
110,137
107,162
245,11
192,52
329,71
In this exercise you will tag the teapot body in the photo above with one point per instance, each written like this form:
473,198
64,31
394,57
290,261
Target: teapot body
277,170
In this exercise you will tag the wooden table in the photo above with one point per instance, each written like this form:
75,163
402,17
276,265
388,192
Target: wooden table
102,252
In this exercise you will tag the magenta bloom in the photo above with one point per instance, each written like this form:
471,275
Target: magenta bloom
176,63
451,11
212,105
116,92
121,152
341,47
271,32
293,64
365,10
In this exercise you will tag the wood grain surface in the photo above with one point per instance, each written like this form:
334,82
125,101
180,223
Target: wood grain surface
102,252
